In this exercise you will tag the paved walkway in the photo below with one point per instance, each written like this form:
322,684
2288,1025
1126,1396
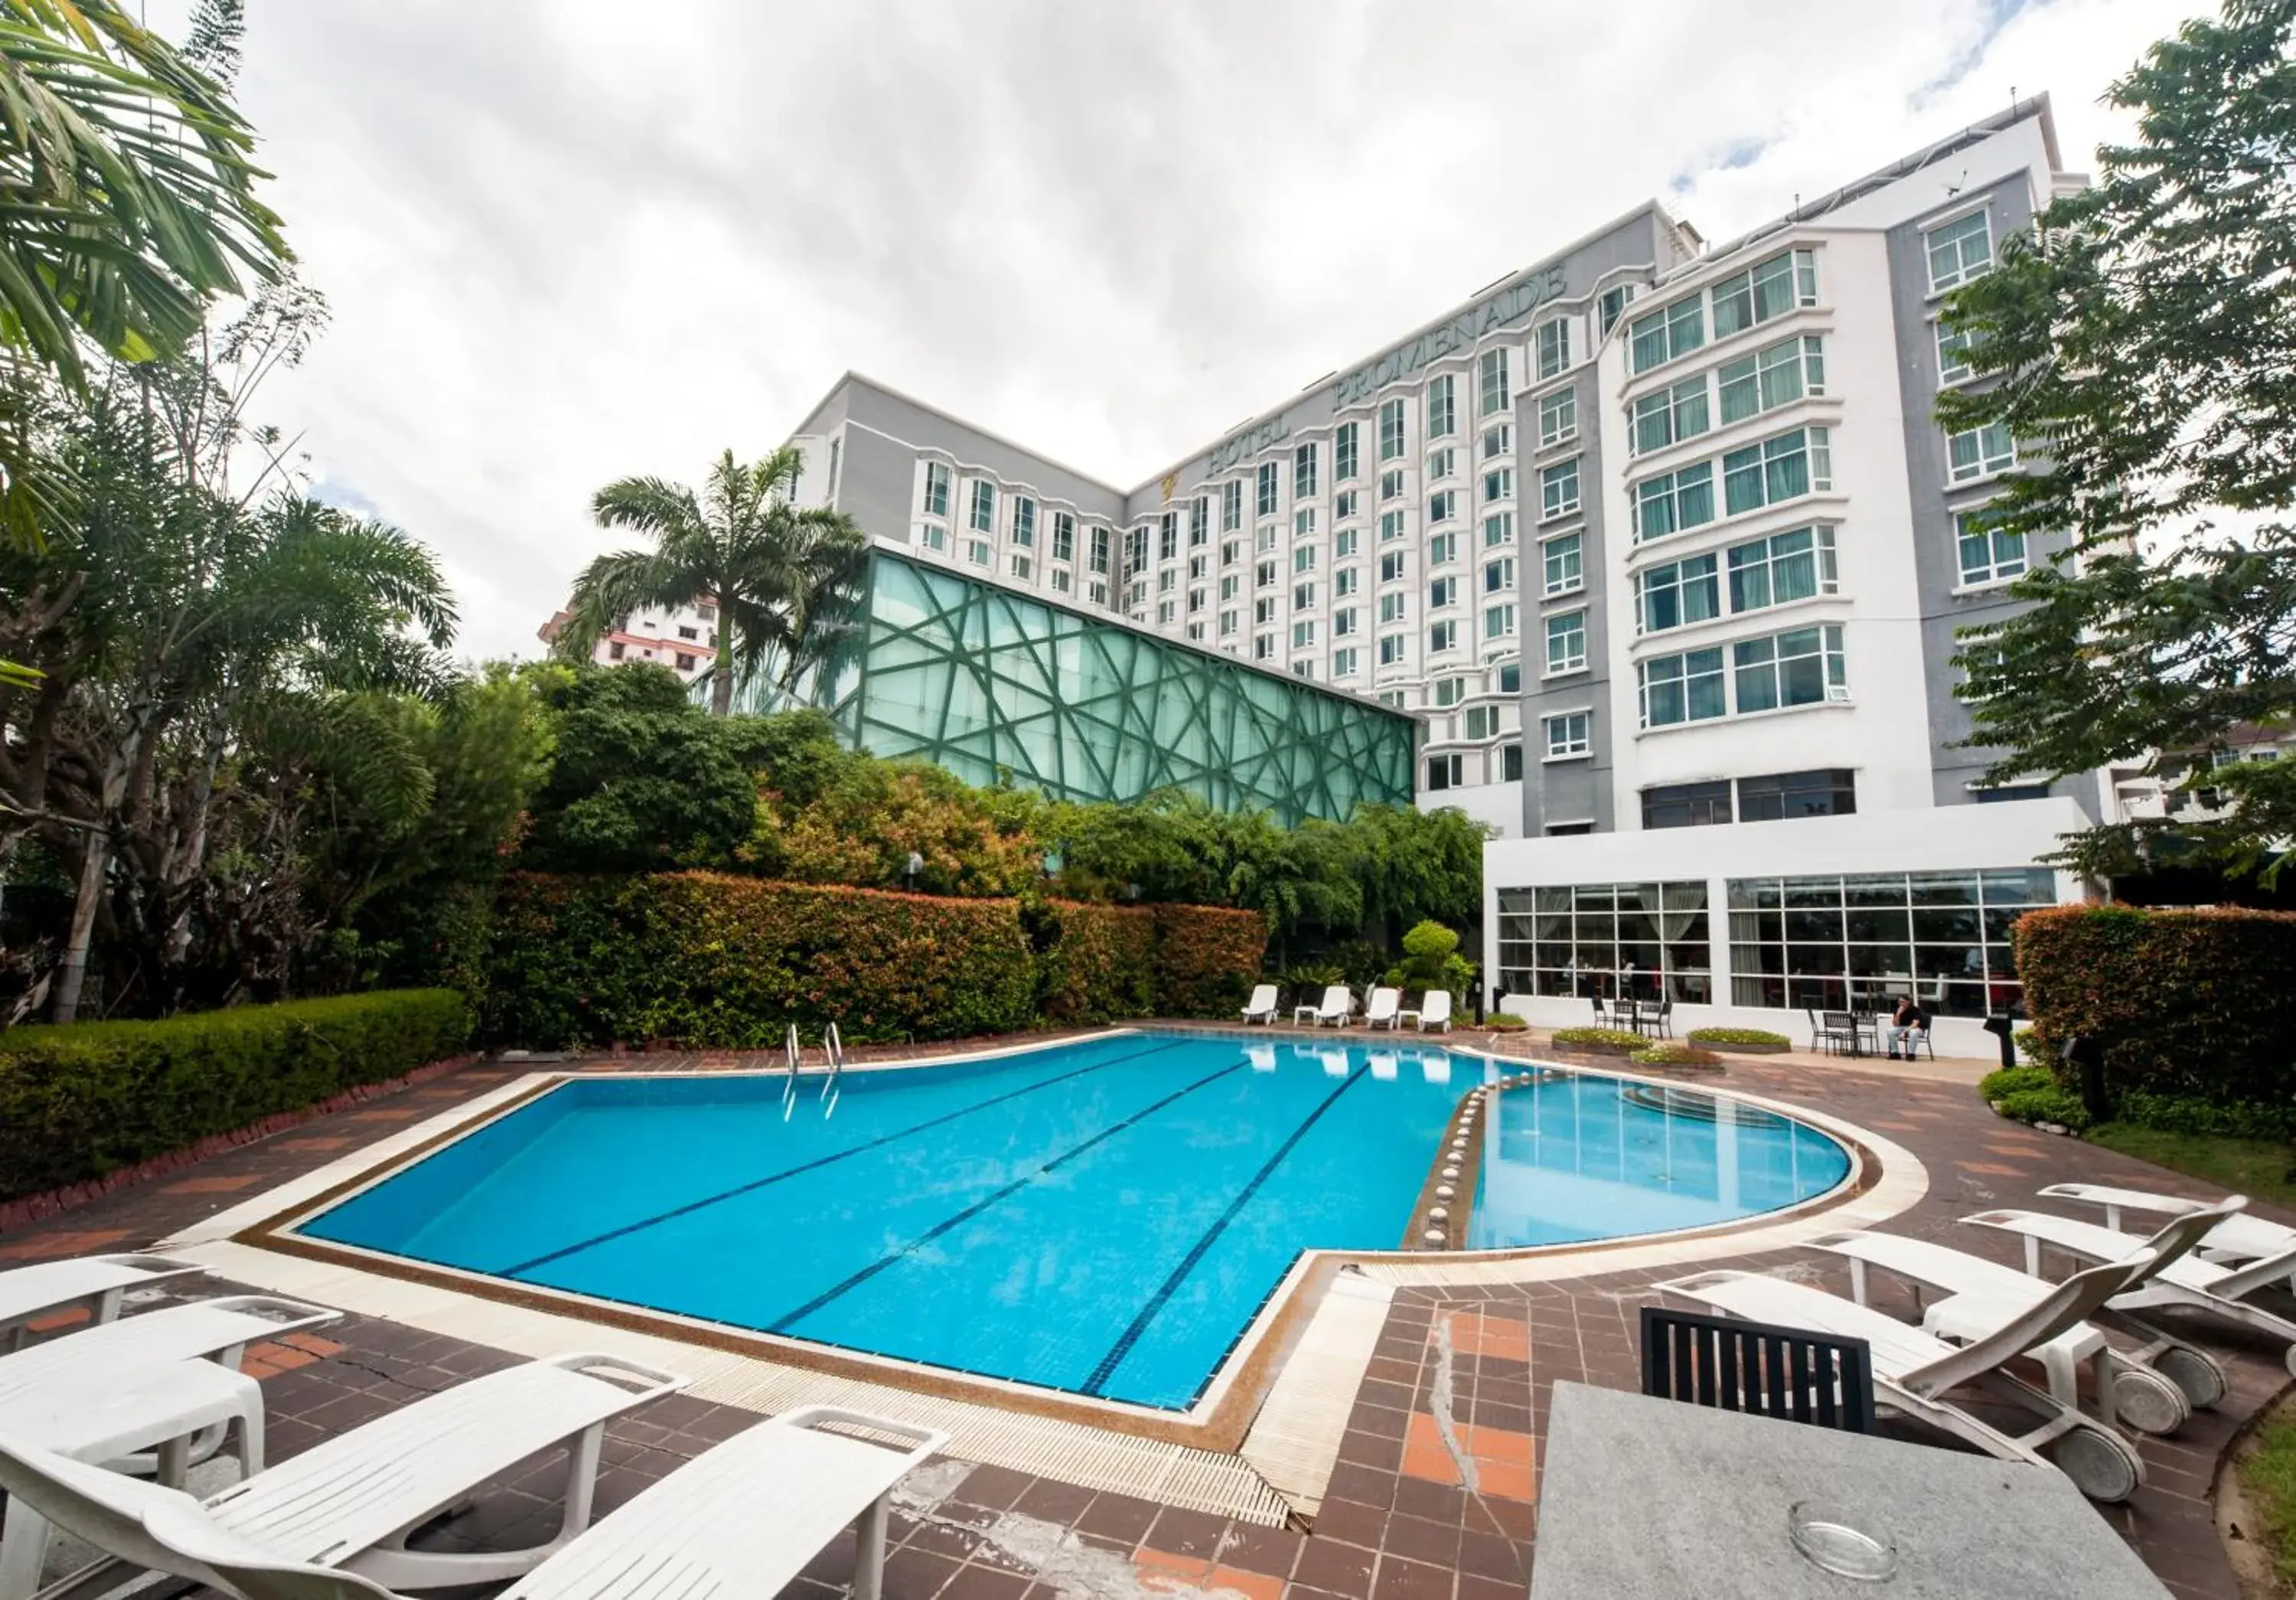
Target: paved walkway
1406,1517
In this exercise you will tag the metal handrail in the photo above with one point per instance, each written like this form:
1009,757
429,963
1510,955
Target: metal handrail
832,1044
794,1052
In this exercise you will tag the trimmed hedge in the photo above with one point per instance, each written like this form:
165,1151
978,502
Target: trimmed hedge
2186,1004
84,1099
1740,1038
1674,1053
1601,1041
706,959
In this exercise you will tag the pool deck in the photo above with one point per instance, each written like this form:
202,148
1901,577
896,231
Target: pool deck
1434,1494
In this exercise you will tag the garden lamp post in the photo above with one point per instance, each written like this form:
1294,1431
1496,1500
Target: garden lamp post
916,866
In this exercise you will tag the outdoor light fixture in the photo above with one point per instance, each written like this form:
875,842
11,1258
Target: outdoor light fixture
916,866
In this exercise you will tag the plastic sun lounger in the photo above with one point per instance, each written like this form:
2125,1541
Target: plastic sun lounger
1262,1007
1913,1371
218,1330
2188,1282
1383,1010
349,1502
1434,1011
740,1519
1338,1000
28,1293
2236,1239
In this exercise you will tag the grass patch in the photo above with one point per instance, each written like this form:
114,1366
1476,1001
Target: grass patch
2267,1482
2257,1168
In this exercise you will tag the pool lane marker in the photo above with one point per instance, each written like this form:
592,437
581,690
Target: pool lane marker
1149,1312
959,1219
751,1187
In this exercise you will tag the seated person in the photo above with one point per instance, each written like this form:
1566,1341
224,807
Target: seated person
1908,1020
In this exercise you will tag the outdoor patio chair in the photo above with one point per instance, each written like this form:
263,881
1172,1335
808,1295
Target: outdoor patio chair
216,1330
1382,1010
1841,1034
1338,1003
2190,1282
1792,1374
28,1293
1261,1007
1655,1018
2236,1238
1919,1040
1915,1372
1434,1012
351,1501
741,1518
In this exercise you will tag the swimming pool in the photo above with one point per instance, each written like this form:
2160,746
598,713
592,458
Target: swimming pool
1104,1218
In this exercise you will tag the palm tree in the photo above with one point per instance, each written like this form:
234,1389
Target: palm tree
784,577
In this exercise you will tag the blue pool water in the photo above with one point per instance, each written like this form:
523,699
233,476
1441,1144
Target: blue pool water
1104,1218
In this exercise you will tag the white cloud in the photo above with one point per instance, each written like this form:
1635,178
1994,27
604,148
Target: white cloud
569,240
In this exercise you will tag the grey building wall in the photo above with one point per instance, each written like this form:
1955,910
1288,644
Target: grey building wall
1564,792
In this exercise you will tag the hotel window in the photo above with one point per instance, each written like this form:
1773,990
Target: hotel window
1391,526
1390,484
1231,506
1498,484
936,489
1441,464
1671,331
1497,393
1793,565
1829,791
1554,343
984,507
1346,580
1394,649
1347,541
1959,251
1558,418
1510,763
1231,552
1393,565
1345,663
1343,505
1167,611
1771,289
1688,805
1498,528
1988,555
1303,559
1024,523
1197,565
1500,440
1269,489
1166,581
1574,941
1199,521
1391,430
1498,576
1022,568
1678,594
1779,468
1228,585
1558,490
1688,687
1611,305
1099,563
1980,453
1772,377
933,536
1099,591
1394,700
1566,643
1197,599
1263,647
1227,624
1263,537
1952,354
1481,722
1672,415
1450,692
1167,536
1062,582
1442,406
1343,620
1563,561
1829,941
1442,636
1263,611
1303,471
1303,668
1447,772
1303,521
1264,576
1391,608
685,661
1442,592
976,551
1800,668
1343,452
1063,537
1673,501
1566,735
1442,549
1443,506
1303,636
1499,622
1196,632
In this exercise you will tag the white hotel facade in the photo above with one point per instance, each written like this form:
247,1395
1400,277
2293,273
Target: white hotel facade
1661,542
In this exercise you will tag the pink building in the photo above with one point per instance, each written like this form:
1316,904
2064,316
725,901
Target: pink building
677,637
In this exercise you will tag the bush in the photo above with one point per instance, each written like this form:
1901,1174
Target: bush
1600,1041
1432,960
2013,1080
2049,1104
1097,964
1500,1021
1740,1038
2184,1004
84,1099
1205,959
1673,1053
2174,1113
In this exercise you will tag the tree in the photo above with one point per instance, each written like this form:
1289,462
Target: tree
783,578
2141,345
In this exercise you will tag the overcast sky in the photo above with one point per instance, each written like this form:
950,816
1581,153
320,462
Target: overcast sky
567,240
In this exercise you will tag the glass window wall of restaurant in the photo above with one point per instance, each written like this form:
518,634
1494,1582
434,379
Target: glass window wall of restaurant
1608,940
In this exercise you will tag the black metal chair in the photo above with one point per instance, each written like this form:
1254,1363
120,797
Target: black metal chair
1791,1374
1827,1037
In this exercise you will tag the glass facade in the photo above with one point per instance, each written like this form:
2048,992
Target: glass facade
1820,942
1001,687
1607,939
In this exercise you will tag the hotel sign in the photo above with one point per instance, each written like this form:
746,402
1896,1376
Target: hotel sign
1510,304
1251,441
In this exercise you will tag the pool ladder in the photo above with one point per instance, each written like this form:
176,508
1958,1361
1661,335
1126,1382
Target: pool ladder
833,1048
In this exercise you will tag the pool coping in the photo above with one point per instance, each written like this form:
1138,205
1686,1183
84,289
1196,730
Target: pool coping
1883,1180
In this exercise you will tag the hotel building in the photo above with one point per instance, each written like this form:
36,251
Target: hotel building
1659,542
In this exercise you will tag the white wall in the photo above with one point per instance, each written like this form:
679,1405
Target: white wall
1945,838
1497,805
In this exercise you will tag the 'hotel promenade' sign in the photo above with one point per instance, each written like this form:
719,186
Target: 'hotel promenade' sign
1510,304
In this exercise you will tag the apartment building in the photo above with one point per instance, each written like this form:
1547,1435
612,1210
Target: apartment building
678,638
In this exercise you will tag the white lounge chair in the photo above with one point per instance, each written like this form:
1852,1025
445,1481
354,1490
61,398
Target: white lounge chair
1434,1012
741,1518
1339,1001
1382,1010
1913,1371
216,1330
1262,1006
28,1293
2189,1281
2240,1237
350,1501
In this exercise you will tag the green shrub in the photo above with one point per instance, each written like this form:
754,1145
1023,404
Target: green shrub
1600,1041
1096,964
2013,1080
2176,1113
2049,1104
1500,1021
84,1099
1751,1038
1674,1053
1205,958
1432,960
